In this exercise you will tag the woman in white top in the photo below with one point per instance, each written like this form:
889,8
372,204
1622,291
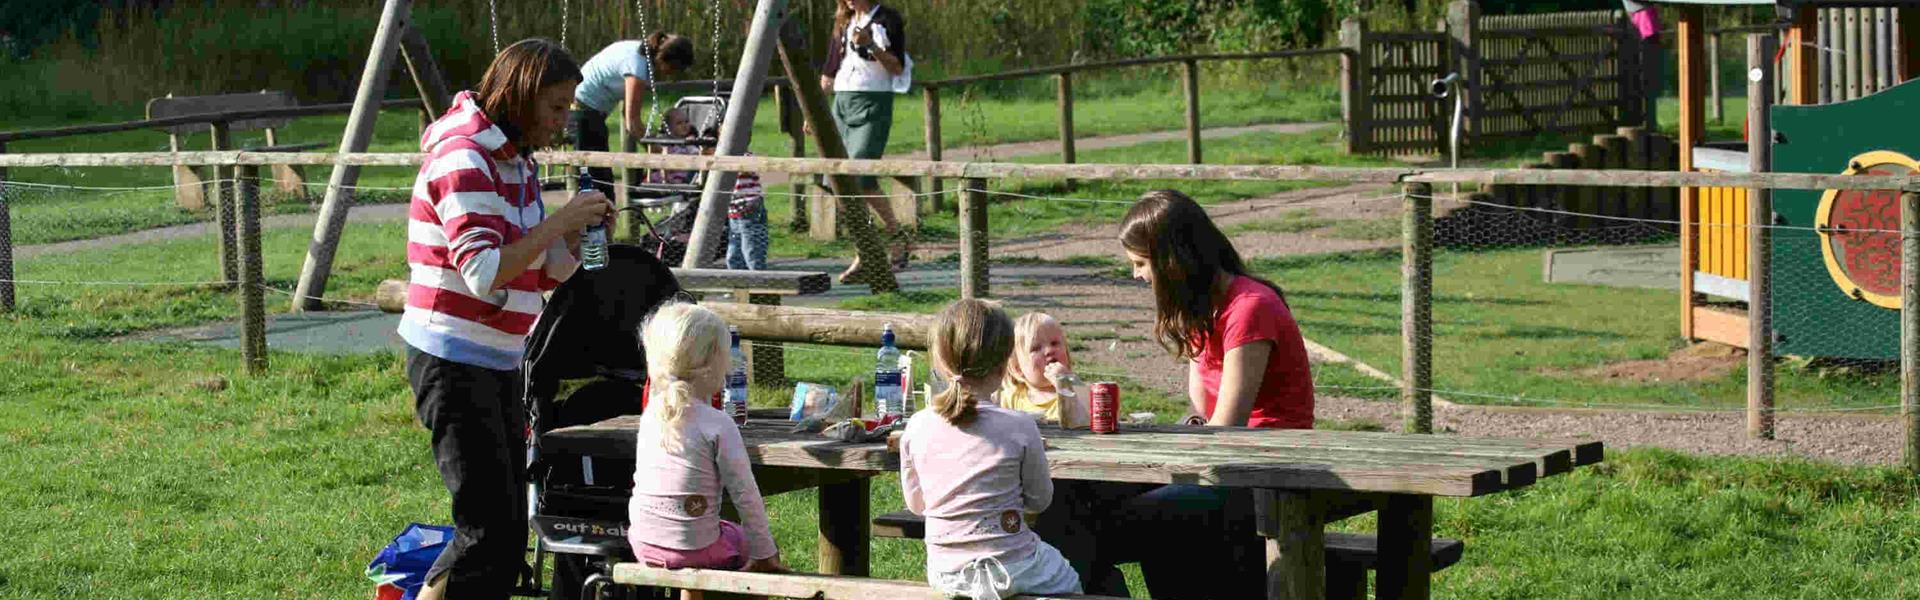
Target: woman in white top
623,72
866,65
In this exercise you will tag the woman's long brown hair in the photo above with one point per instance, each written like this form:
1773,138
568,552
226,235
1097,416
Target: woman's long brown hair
668,49
1188,254
512,84
842,17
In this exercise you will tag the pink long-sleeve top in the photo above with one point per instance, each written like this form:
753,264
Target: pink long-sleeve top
974,484
676,495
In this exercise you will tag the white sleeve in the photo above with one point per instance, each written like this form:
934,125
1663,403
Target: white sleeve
561,264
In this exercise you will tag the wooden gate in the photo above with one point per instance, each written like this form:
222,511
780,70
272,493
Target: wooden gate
1390,107
1527,75
1524,75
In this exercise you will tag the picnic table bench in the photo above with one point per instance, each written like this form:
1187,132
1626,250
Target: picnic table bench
1303,479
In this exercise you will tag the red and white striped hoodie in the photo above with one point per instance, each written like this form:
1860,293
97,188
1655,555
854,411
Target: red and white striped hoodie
474,195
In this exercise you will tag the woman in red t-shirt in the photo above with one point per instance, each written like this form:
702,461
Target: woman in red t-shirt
1248,363
1247,366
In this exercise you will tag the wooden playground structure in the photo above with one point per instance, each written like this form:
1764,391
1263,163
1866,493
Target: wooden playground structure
1831,51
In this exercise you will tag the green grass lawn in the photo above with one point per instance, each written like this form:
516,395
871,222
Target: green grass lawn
141,469
1500,331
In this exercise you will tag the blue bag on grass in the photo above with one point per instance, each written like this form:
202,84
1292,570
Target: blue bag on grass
402,566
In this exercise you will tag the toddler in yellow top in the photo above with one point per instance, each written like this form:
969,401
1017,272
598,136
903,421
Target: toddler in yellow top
1040,379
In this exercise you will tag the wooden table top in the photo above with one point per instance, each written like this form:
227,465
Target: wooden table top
1356,461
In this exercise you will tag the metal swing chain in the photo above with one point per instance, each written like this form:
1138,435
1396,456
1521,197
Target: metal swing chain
653,104
563,22
493,19
713,120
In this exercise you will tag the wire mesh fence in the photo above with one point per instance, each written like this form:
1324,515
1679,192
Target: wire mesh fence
1534,305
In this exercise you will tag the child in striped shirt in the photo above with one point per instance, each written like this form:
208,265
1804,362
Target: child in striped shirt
976,471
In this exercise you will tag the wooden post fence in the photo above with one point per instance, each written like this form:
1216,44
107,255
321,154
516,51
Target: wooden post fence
1760,49
973,240
1355,110
931,93
223,205
1910,327
253,310
1416,309
792,123
6,239
1190,71
1066,119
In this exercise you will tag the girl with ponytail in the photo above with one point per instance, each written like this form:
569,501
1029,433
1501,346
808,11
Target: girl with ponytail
689,452
976,471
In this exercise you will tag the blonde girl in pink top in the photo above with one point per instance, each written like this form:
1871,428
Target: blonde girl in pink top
689,452
977,471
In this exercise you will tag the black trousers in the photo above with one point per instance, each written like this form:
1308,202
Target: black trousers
479,445
587,128
1197,542
1086,524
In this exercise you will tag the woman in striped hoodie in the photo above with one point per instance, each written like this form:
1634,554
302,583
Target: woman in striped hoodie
482,249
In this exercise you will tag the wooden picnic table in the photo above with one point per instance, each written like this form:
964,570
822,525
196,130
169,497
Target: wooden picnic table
1303,480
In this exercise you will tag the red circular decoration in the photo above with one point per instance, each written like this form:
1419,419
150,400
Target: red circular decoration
1864,233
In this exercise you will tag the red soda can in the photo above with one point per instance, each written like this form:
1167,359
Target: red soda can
1105,407
720,401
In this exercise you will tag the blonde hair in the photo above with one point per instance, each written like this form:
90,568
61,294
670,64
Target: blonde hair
971,338
1024,330
685,344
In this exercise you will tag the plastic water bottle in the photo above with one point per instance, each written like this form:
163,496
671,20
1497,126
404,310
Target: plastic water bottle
593,242
886,377
737,381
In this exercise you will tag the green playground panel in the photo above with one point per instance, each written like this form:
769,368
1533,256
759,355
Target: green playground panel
1814,316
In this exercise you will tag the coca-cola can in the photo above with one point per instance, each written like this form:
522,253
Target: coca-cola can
1105,407
720,401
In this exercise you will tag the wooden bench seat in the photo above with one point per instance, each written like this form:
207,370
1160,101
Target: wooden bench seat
1349,555
792,585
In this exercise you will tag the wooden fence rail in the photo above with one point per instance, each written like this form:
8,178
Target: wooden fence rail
199,119
1627,178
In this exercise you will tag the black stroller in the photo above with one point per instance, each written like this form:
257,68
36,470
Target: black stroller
588,333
